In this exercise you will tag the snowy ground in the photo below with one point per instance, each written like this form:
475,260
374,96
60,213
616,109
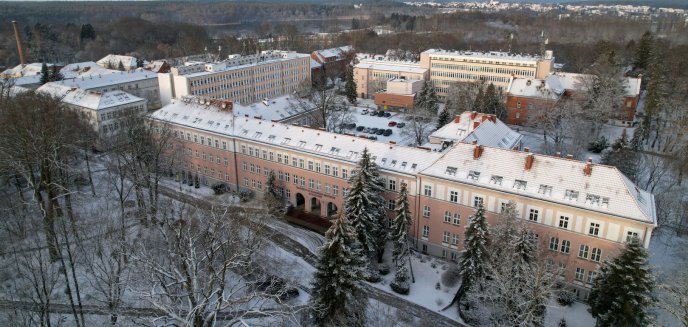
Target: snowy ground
667,253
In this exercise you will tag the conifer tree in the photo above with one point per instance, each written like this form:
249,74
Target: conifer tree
120,66
479,103
272,196
139,63
476,255
422,97
399,236
350,87
45,74
643,54
364,205
622,293
55,74
431,101
444,118
336,296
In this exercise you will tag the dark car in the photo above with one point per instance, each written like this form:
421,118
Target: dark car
360,128
373,130
408,118
351,126
400,125
387,114
387,132
380,131
372,138
381,113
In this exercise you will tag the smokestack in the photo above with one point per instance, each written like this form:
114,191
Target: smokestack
587,171
529,161
17,36
558,155
477,151
457,119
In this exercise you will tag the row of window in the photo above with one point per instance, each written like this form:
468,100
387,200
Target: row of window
210,157
483,61
202,140
280,158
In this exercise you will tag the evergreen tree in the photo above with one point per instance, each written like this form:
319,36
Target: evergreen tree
120,66
479,103
87,32
399,236
431,101
622,293
55,74
45,74
139,63
444,118
364,205
623,156
336,296
475,256
272,196
350,87
422,97
644,52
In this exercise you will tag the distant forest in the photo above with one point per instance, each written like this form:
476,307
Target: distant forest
79,31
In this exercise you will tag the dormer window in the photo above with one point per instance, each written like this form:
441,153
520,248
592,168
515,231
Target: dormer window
571,195
451,171
302,144
257,135
545,189
496,180
403,164
592,199
286,140
413,166
473,175
520,184
394,163
318,147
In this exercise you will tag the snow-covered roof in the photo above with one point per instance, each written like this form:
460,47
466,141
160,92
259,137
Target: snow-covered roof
484,55
605,190
101,80
632,86
322,55
86,68
128,62
482,128
24,70
277,109
89,99
229,66
572,81
395,66
550,88
342,147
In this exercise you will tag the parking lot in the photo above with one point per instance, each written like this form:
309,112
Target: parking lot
374,125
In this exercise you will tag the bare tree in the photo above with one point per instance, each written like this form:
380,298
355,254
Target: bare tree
322,104
461,96
418,129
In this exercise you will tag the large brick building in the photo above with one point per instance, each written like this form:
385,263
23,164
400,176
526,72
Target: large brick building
582,212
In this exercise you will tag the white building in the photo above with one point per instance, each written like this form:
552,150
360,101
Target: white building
112,61
485,130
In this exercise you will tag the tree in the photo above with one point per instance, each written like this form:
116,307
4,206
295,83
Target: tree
272,196
605,91
87,32
399,237
120,66
55,74
623,156
622,293
364,205
461,97
493,102
350,87
444,118
45,74
321,104
644,51
674,294
473,261
422,97
336,295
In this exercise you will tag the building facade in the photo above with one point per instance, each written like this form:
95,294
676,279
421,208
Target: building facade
371,75
243,79
582,212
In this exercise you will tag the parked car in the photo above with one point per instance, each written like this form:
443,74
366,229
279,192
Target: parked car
360,128
364,112
374,130
392,124
380,131
380,113
351,126
372,138
387,132
408,118
400,125
373,113
387,114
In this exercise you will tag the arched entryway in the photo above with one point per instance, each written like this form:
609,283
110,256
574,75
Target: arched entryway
331,210
315,206
300,202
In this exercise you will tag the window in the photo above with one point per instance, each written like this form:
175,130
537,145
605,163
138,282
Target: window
250,151
335,189
345,191
279,158
447,217
473,175
258,169
272,156
455,239
564,222
280,175
533,215
301,164
596,254
592,199
245,181
583,251
310,165
426,211
243,166
454,257
335,171
302,181
392,185
327,169
286,177
520,184
311,183
571,195
591,277
477,201
565,246
327,188
545,189
445,237
594,229
427,190
456,219
454,196
294,161
496,180
451,171
265,155
317,167
345,173
318,186
390,204
554,243
631,237
426,231
253,168
580,272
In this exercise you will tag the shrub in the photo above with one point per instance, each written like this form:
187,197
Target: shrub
566,297
383,269
401,288
451,276
245,195
220,188
373,277
598,145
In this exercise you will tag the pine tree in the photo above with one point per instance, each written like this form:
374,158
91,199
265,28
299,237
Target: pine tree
622,293
120,66
475,256
443,119
364,205
422,97
399,236
45,74
644,52
139,63
479,103
623,156
336,296
431,101
272,196
350,87
55,74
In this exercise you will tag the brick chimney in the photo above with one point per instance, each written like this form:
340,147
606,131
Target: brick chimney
493,118
569,156
457,119
476,124
526,149
477,151
588,167
473,114
529,161
558,155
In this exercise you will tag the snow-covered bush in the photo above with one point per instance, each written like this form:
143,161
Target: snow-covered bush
220,188
245,195
451,276
401,288
566,297
598,145
373,277
383,268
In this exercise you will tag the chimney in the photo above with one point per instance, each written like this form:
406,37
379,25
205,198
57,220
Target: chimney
493,118
457,119
17,36
526,149
569,156
476,124
477,151
473,114
588,167
529,161
557,155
